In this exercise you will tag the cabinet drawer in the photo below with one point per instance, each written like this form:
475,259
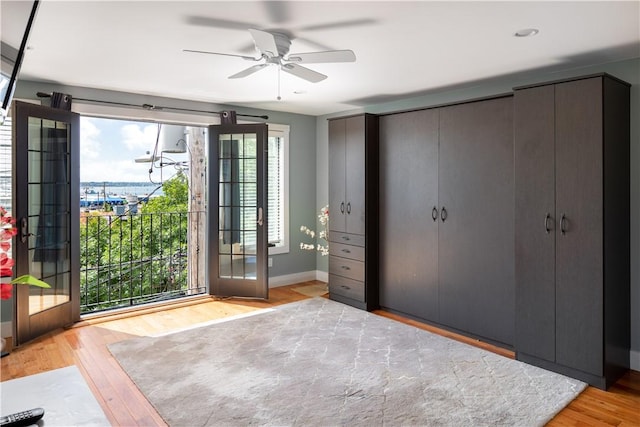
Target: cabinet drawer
349,239
347,251
346,287
346,268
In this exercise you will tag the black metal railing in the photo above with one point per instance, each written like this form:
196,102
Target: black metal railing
128,260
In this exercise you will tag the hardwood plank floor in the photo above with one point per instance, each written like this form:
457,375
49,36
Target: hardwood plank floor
85,345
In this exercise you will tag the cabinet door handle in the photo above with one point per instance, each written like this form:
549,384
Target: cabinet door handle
345,287
342,207
344,267
443,214
345,238
547,217
349,208
434,214
346,251
563,224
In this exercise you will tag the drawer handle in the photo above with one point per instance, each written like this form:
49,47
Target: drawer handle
346,251
345,238
344,267
345,287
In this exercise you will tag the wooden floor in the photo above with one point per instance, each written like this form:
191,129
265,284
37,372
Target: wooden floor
85,345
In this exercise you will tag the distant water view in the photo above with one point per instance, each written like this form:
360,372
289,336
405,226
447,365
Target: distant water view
116,192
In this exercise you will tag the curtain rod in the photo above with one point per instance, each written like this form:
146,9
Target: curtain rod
151,107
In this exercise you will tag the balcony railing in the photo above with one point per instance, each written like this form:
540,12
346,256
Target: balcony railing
128,260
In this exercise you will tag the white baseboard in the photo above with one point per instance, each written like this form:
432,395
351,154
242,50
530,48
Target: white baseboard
304,276
634,360
322,276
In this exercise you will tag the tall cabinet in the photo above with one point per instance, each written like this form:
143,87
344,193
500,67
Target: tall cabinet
447,221
353,224
572,227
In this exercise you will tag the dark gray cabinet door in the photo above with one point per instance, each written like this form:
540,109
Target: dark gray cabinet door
408,194
476,236
535,221
337,196
355,174
579,242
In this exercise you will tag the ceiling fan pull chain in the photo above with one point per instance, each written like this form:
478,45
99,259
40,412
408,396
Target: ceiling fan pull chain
279,98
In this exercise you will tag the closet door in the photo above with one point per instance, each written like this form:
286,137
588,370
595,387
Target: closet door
579,240
337,196
408,206
535,222
476,240
355,137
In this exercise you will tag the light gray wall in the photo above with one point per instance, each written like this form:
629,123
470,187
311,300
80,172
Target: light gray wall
628,71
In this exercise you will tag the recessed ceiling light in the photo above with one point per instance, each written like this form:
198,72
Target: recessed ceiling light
527,32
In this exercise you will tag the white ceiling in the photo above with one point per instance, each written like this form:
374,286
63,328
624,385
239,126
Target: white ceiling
402,48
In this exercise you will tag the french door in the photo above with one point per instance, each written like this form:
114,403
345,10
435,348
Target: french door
238,244
46,206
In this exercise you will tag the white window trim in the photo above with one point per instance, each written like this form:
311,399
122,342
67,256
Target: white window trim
283,131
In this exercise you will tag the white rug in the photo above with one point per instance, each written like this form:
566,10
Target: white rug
63,393
321,363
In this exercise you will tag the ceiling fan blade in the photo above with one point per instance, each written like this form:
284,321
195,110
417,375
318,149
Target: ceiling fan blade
248,58
319,57
204,21
341,24
265,42
303,73
248,71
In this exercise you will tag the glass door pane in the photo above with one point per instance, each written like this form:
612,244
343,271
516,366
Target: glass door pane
48,212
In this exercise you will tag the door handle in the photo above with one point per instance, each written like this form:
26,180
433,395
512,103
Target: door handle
24,230
563,224
349,208
260,219
342,207
443,214
547,217
434,214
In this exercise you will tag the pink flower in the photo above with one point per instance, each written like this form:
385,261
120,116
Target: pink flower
6,265
5,290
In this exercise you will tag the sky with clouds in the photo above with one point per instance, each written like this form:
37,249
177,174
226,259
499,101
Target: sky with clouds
108,148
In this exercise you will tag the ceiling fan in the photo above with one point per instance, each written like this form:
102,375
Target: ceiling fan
273,48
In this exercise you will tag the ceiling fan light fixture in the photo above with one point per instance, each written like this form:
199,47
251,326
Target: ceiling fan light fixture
527,32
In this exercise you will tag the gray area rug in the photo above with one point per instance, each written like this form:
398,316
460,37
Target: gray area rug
319,362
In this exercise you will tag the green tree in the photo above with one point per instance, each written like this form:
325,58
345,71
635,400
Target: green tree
175,198
133,258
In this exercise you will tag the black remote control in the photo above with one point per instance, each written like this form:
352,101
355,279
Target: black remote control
24,418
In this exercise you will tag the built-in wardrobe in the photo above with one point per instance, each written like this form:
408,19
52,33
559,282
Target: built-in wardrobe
507,219
353,207
446,217
572,227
